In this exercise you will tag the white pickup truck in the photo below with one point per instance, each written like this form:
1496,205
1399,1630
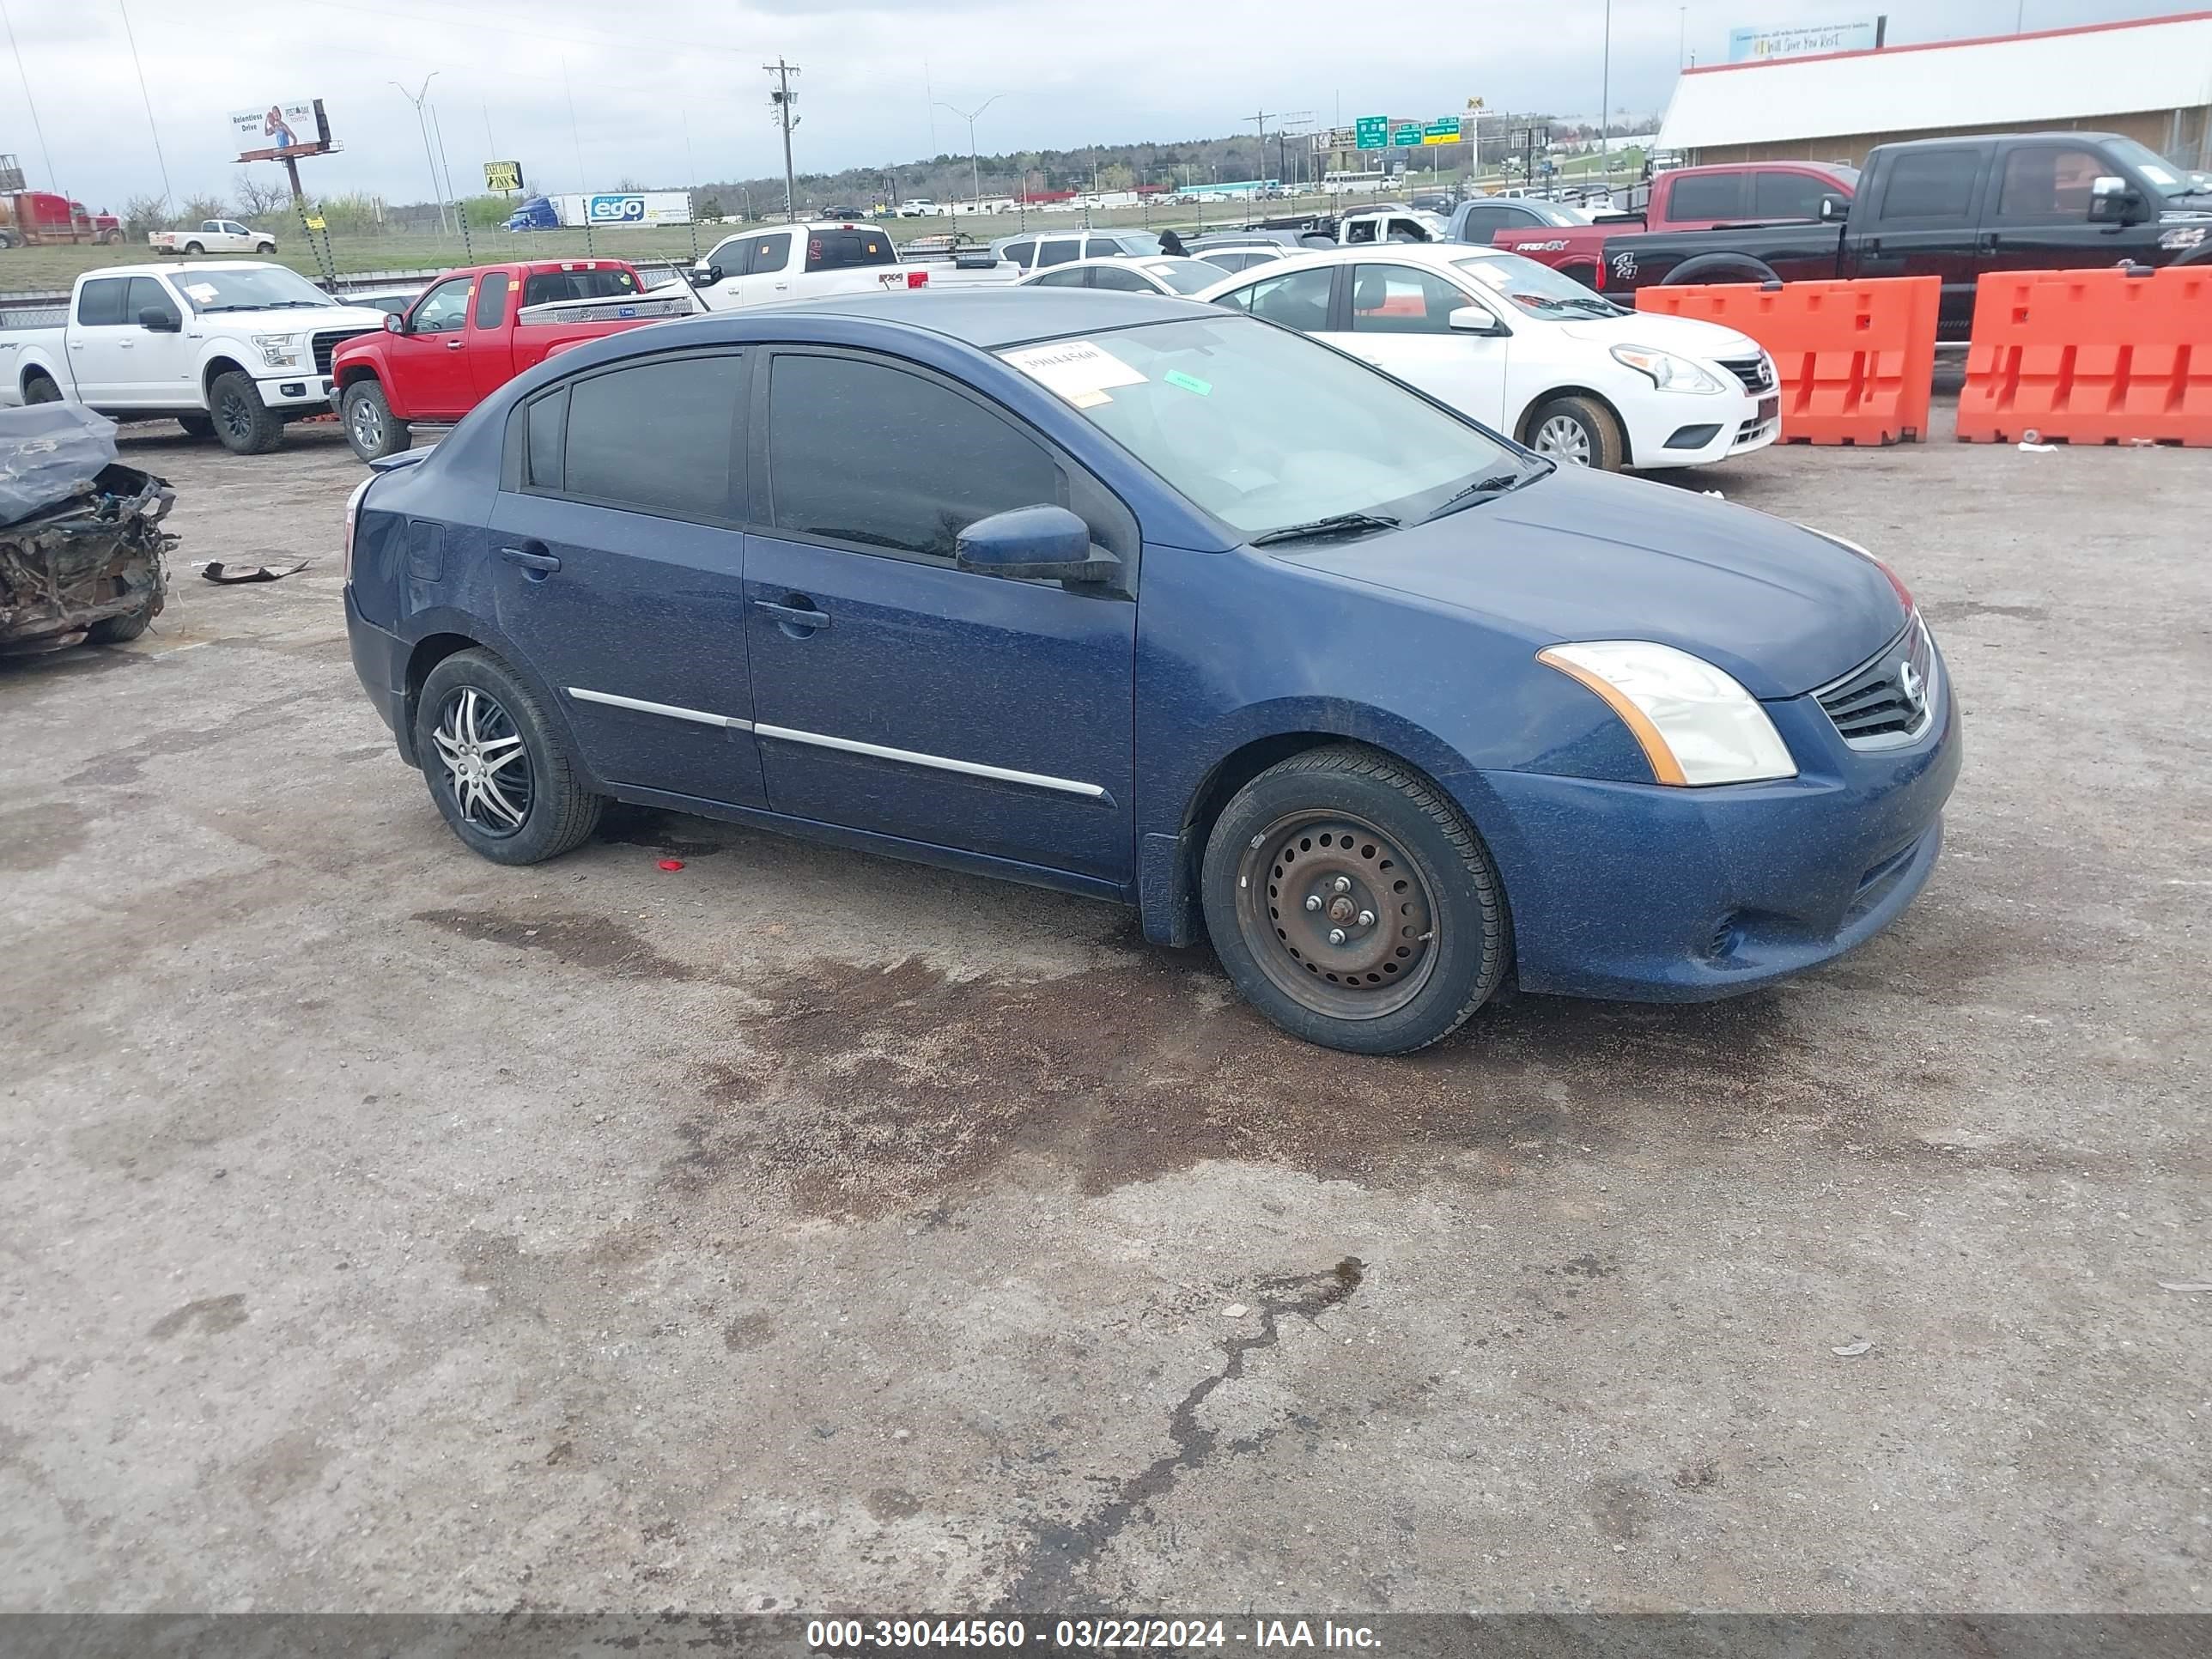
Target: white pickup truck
214,236
229,350
807,261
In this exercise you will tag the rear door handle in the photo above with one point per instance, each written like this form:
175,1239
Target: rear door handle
542,562
793,615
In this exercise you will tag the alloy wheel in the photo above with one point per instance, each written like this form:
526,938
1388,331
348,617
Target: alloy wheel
487,762
237,419
1564,438
368,425
1336,914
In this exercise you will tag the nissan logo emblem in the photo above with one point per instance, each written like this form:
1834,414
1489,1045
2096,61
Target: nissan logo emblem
1908,681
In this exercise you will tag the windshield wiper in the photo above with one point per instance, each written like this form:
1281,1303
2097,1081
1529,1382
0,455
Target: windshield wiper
1337,524
1482,489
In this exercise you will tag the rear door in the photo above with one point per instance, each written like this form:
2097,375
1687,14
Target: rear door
850,259
429,356
103,341
1924,220
617,568
491,355
2037,217
895,693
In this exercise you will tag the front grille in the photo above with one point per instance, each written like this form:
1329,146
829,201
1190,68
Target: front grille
326,344
1888,701
1757,373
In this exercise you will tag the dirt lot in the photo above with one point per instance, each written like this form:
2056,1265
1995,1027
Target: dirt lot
383,1229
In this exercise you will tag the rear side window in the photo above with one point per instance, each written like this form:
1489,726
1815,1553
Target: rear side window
1068,277
1126,280
547,287
844,250
547,420
1931,184
1707,196
491,300
1787,195
860,452
1059,250
1298,299
101,304
655,437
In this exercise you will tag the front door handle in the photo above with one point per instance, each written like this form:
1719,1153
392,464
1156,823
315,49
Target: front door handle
537,562
802,615
454,345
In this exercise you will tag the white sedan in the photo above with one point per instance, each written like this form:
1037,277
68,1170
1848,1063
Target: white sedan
1161,274
1528,351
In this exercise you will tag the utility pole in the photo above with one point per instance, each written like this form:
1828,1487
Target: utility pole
781,98
422,121
1605,101
1261,118
975,168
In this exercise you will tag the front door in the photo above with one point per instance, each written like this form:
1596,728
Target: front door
767,275
617,567
1399,318
897,692
165,361
2038,216
429,356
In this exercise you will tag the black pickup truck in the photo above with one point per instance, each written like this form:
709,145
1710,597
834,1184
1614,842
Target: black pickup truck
1955,207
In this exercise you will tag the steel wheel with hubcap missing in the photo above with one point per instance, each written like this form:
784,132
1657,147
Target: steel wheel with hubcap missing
486,763
1337,915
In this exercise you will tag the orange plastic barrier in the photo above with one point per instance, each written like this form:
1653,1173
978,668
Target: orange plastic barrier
1857,360
2103,357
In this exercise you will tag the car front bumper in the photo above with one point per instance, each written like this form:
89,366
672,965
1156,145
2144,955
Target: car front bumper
293,391
1653,894
1669,428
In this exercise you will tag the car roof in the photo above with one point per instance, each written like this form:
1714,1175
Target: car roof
1433,254
986,318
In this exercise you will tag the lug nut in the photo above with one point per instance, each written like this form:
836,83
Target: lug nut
1336,936
1313,900
1344,884
1366,918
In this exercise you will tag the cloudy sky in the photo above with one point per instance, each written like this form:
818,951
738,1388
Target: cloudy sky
667,90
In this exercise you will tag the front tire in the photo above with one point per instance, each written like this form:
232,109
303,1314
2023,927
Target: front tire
1578,432
370,426
114,630
265,248
495,764
245,424
1352,904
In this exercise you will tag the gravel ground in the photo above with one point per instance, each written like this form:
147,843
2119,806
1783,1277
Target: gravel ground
382,1229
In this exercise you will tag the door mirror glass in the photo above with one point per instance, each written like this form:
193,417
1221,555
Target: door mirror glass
1475,320
1833,208
2112,200
160,321
394,323
1048,544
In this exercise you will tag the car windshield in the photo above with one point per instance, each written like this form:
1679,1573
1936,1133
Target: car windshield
1265,428
248,288
1537,290
1183,276
2164,176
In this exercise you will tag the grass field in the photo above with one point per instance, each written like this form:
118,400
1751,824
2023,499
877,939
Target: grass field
47,269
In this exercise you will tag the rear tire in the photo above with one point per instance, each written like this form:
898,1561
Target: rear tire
39,388
370,426
246,425
1576,432
495,764
1353,904
199,427
194,247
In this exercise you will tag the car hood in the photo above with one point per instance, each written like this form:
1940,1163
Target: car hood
1684,334
312,320
1586,556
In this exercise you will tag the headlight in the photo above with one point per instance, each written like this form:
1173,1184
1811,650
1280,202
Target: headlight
1695,724
1667,372
278,350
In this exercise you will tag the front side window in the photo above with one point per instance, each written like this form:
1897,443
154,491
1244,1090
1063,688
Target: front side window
1483,223
1223,411
102,304
1297,299
1126,281
444,309
2048,184
863,453
765,254
147,293
1931,184
1059,250
1401,300
491,300
655,437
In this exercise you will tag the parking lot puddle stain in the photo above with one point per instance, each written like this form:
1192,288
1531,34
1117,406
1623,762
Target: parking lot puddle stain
210,1316
591,943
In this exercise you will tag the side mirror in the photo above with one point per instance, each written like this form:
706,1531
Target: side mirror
161,320
1833,208
394,323
1044,543
1474,319
706,277
2113,201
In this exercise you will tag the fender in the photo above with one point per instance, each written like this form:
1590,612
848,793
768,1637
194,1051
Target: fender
30,357
441,619
219,356
1713,267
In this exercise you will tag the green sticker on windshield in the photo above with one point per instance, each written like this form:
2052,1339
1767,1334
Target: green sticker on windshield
1188,382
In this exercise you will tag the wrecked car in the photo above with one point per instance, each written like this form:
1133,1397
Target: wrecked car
81,542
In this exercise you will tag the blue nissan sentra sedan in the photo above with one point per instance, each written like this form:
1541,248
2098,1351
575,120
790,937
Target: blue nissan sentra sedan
1168,606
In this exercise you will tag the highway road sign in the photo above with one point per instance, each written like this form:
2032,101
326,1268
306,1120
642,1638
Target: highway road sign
1374,131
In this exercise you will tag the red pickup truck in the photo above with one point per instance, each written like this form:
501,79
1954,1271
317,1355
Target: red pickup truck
1691,198
471,332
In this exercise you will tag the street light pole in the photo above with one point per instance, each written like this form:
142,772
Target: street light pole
1605,102
975,167
416,99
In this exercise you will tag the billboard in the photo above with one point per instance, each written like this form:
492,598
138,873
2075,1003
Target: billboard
1748,45
293,126
502,175
617,208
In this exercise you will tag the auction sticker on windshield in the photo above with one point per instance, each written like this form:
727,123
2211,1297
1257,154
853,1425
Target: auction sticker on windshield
1076,370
